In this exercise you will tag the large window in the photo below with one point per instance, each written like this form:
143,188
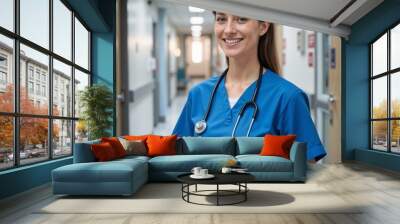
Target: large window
44,64
385,93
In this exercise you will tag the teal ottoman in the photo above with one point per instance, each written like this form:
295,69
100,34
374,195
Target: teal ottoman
118,177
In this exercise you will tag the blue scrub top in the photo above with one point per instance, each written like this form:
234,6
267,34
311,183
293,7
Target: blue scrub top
283,109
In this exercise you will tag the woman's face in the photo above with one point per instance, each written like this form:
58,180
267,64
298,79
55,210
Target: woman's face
238,36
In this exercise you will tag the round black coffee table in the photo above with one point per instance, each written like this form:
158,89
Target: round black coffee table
238,179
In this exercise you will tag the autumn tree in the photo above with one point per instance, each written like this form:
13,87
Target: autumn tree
33,131
380,127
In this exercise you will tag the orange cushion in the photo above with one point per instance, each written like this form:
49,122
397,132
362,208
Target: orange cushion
161,145
135,137
103,152
277,145
116,145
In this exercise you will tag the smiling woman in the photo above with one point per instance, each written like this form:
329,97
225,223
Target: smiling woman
250,98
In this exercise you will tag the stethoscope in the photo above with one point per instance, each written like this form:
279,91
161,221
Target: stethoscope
201,125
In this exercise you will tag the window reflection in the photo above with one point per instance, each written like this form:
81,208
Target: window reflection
62,89
34,21
379,56
7,14
34,61
62,138
81,45
379,100
33,140
395,95
62,29
395,47
6,142
6,74
395,136
81,81
379,135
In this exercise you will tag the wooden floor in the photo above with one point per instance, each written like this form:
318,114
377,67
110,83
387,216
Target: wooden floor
378,189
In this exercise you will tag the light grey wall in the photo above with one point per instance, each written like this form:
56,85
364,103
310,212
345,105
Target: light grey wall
140,80
140,65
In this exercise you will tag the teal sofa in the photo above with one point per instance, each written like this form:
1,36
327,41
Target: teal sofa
125,176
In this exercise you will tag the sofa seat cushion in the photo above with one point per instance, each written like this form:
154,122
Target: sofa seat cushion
257,163
185,163
133,158
111,171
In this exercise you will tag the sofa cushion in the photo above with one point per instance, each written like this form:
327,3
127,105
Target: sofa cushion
185,163
249,145
277,145
257,163
134,147
83,152
133,158
103,152
116,145
206,145
111,171
161,145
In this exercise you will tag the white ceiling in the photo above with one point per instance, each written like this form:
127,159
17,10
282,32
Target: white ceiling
316,15
179,16
321,9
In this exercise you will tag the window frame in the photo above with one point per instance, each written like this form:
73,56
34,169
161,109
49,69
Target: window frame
388,74
16,114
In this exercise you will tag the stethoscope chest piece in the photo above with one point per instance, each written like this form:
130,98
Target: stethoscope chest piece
200,126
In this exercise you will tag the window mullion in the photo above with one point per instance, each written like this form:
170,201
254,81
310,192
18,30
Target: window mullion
389,106
50,81
73,82
16,84
371,98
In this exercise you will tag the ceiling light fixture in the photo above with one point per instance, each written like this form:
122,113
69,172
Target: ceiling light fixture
196,20
195,9
196,28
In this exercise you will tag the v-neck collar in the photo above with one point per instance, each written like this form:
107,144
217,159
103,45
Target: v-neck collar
243,96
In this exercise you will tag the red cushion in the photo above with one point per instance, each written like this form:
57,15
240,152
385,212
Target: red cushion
103,152
277,145
116,145
161,145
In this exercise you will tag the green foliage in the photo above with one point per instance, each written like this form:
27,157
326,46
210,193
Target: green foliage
97,104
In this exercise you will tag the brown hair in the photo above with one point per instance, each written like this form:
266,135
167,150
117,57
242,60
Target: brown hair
266,50
267,54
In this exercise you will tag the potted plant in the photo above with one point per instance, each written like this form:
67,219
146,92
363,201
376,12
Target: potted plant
96,102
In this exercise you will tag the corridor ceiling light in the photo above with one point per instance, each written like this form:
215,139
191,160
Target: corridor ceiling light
196,20
195,9
196,33
197,51
196,28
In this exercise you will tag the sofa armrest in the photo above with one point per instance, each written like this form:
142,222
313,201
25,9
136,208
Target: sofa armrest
298,155
83,152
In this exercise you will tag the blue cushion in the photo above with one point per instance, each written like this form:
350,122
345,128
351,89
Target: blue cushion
249,145
206,145
83,152
257,163
185,163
